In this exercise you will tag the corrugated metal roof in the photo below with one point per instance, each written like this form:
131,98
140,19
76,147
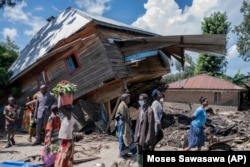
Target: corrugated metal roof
66,24
203,81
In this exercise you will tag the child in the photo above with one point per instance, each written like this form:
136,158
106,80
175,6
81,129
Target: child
10,113
32,127
51,139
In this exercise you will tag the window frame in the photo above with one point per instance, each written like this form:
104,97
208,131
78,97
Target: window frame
77,61
217,97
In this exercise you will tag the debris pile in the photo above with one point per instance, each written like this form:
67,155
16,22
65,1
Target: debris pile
224,130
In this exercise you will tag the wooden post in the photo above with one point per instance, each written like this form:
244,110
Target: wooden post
107,108
113,113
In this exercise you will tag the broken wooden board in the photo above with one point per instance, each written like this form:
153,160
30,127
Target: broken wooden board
82,160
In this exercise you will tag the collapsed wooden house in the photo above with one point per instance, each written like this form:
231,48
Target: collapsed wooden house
105,58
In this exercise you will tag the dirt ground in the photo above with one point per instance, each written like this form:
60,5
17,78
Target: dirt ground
104,147
101,146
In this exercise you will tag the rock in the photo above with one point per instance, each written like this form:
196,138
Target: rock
100,165
114,164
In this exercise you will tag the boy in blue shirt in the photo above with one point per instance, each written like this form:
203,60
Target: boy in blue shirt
196,135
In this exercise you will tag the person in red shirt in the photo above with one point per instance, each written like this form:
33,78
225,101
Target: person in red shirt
51,139
10,113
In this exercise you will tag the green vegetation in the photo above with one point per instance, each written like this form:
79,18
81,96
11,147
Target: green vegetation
242,31
188,71
8,54
64,87
216,66
215,24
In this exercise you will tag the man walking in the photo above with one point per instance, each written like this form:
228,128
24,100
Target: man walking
45,100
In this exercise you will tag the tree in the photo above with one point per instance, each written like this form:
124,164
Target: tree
216,23
242,31
10,3
189,67
8,54
238,79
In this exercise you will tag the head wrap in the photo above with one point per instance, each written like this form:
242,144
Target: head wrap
11,98
144,95
124,96
154,93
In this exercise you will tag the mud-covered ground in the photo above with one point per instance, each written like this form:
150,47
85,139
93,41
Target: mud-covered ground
98,149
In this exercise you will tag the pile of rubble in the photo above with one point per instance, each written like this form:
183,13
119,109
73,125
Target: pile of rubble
225,130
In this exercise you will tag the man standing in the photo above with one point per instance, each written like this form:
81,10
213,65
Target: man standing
196,135
144,130
45,100
123,127
11,114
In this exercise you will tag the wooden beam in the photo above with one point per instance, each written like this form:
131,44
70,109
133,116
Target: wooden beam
213,43
107,108
129,50
81,160
194,39
113,113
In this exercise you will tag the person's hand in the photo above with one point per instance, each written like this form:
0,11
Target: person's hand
48,135
61,92
48,144
12,120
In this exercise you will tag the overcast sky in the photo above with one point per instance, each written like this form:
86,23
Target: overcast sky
165,17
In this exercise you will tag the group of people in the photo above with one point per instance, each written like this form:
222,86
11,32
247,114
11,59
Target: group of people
147,133
56,133
148,130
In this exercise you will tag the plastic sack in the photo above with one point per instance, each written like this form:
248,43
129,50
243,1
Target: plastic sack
48,157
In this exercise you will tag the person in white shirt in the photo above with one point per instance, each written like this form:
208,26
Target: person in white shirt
157,107
65,153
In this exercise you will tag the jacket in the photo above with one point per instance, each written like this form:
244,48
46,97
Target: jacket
144,130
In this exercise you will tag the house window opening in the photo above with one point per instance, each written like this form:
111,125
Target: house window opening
72,63
217,97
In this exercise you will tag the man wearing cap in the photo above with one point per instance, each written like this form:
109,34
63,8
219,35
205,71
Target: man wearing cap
10,113
124,126
45,100
196,135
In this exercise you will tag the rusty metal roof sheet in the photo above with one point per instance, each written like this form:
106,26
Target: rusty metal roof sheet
203,81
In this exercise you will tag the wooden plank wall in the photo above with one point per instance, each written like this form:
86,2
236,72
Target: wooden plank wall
113,53
100,63
148,69
94,69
